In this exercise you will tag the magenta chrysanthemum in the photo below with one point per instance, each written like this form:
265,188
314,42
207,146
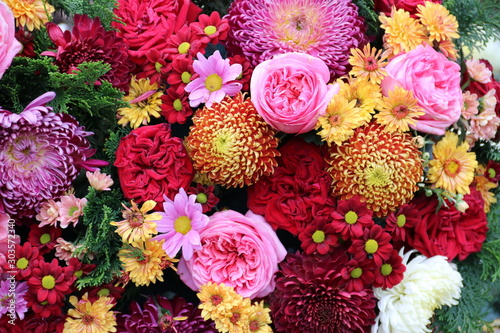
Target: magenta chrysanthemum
326,29
41,153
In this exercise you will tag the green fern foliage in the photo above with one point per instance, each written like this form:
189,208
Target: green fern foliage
366,9
93,8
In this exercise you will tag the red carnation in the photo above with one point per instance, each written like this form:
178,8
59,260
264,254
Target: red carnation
449,232
151,164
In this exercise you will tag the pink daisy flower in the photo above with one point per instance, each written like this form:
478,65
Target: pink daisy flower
478,71
99,181
49,213
215,79
70,209
181,224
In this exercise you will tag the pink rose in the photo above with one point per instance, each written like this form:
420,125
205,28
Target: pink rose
435,82
9,46
290,91
238,250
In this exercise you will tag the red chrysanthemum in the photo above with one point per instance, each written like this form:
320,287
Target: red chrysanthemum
26,38
50,282
154,66
231,143
181,72
205,196
351,217
184,42
390,273
211,29
44,238
246,73
319,236
36,324
111,289
43,309
175,106
90,42
80,269
492,172
358,274
26,258
373,244
311,296
382,167
398,223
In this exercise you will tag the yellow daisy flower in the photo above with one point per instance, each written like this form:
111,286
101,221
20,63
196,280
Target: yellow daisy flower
438,22
339,121
402,32
145,261
236,320
137,224
368,64
259,318
145,101
365,93
483,185
217,300
453,166
32,14
398,110
90,317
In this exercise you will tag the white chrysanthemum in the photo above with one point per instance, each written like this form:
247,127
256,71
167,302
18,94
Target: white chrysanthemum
428,284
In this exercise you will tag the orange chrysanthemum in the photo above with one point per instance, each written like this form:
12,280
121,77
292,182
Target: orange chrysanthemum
483,185
368,64
32,14
231,143
402,32
398,110
381,167
438,22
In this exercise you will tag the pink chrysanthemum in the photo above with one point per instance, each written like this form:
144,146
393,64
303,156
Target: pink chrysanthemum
70,209
41,153
214,80
180,225
326,29
99,181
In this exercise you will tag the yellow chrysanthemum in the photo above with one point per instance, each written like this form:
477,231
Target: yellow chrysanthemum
32,14
483,185
236,320
339,121
380,167
365,93
145,102
145,261
259,319
217,300
453,166
447,47
398,110
88,317
438,22
368,64
402,32
137,224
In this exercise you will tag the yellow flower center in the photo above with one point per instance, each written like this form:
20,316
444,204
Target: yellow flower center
451,168
377,176
45,238
356,273
351,217
178,105
184,47
182,224
386,269
72,210
371,246
318,236
222,142
210,30
401,220
213,82
492,173
22,263
48,282
186,77
103,292
201,198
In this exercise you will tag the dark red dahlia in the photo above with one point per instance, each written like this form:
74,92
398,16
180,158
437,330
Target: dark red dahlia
89,42
311,296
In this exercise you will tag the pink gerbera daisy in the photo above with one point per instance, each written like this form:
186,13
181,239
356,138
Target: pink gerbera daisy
181,224
215,80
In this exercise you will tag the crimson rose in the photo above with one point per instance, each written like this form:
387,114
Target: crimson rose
408,5
151,164
449,232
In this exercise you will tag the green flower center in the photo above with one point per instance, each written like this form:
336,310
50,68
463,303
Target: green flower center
351,217
318,236
492,173
356,273
210,30
186,77
371,246
72,210
158,66
213,82
182,224
201,198
401,220
103,292
377,176
184,47
386,269
45,238
79,273
178,105
22,263
48,282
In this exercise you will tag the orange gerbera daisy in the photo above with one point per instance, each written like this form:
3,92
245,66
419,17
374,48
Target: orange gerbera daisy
32,14
453,165
368,64
398,110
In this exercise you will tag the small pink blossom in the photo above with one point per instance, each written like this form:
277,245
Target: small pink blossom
478,71
64,249
215,79
484,126
49,213
70,209
99,181
470,106
489,101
